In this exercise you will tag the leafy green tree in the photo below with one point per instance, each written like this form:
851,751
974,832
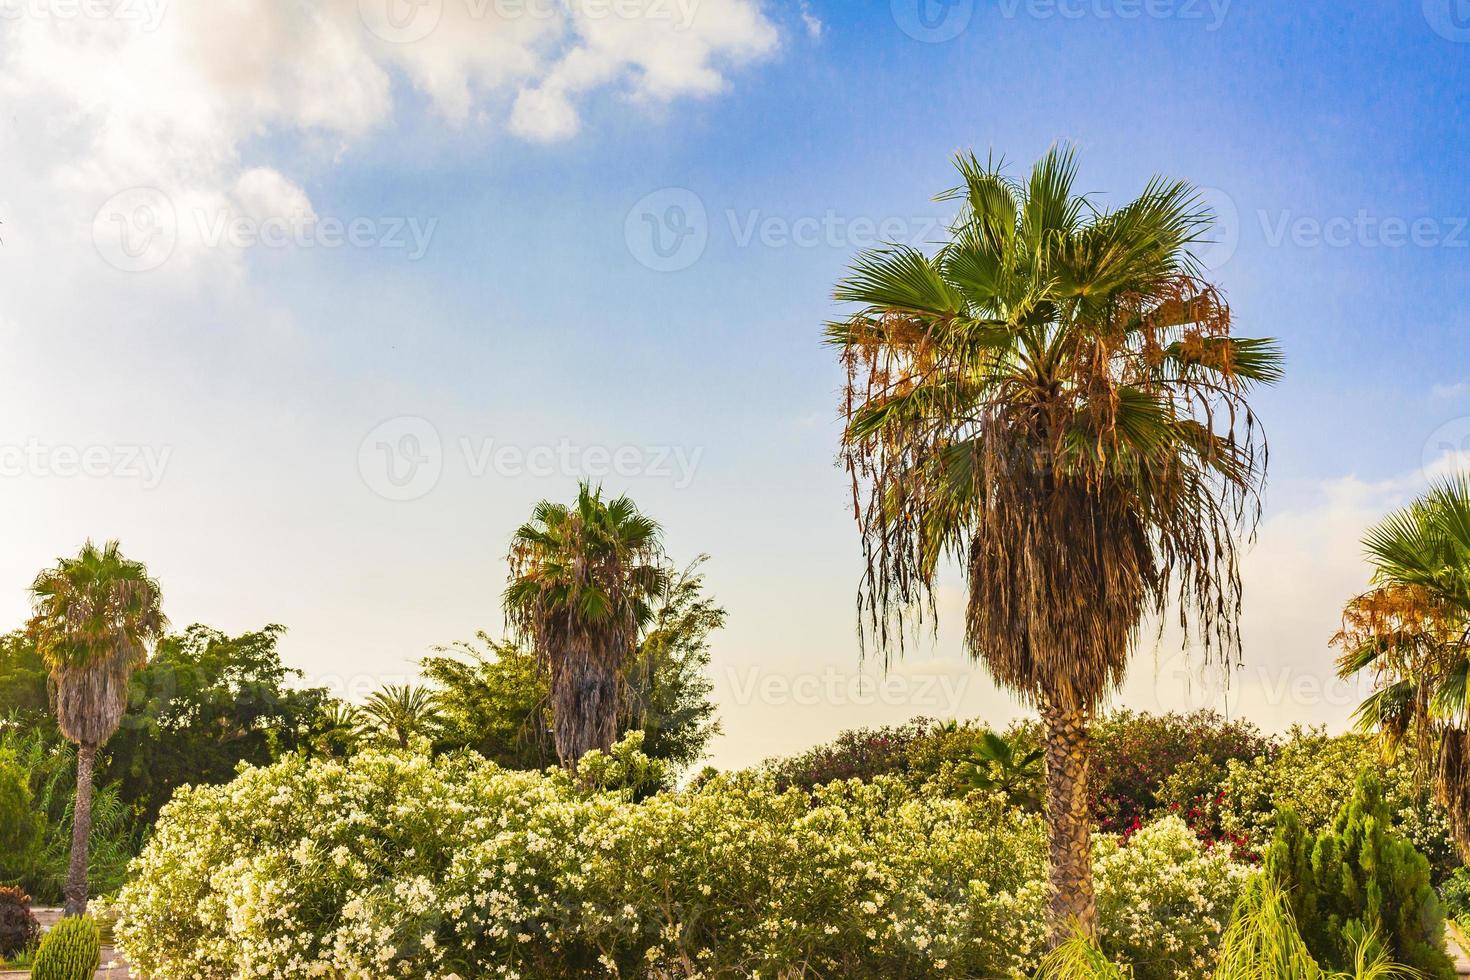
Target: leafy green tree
496,699
401,713
1360,880
1054,400
668,685
581,581
21,824
23,699
96,615
205,703
1412,632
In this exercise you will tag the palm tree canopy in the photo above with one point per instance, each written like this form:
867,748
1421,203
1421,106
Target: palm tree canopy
1412,629
96,615
402,711
587,568
1054,399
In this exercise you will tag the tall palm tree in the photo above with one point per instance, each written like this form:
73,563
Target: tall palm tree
96,615
1412,631
401,712
581,580
1054,400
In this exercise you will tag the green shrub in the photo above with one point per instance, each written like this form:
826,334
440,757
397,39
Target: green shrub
18,928
1360,879
391,864
1312,773
72,950
1454,894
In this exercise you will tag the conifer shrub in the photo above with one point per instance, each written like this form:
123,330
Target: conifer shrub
1357,880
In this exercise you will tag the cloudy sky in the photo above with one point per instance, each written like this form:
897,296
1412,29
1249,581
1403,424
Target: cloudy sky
308,302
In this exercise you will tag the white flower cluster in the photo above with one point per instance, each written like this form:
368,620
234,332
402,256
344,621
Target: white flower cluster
397,865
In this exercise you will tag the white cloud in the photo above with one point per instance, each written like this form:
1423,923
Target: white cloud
1450,392
183,98
814,26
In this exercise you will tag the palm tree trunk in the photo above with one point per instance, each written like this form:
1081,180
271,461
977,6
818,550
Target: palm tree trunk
81,832
1069,823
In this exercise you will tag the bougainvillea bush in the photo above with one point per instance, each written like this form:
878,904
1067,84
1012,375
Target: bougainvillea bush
396,864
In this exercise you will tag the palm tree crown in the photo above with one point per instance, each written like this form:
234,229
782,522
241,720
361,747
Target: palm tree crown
581,580
403,712
96,615
1053,399
1412,631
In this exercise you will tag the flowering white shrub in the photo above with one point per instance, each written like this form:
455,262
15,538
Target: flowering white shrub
1164,901
398,865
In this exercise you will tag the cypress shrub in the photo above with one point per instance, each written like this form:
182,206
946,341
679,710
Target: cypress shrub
1360,880
72,950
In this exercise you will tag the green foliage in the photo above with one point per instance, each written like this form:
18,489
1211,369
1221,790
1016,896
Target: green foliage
1079,959
1262,943
1454,894
1360,879
23,675
21,824
18,928
668,695
1009,768
116,832
1311,773
72,950
401,713
494,698
439,864
205,703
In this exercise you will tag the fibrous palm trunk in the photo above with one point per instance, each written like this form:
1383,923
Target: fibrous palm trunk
1069,822
584,707
81,832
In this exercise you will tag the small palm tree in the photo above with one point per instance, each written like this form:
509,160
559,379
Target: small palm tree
581,583
1053,400
96,615
402,712
1000,766
1412,630
337,730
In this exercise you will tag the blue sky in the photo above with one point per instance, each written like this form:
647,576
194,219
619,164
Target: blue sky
267,380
